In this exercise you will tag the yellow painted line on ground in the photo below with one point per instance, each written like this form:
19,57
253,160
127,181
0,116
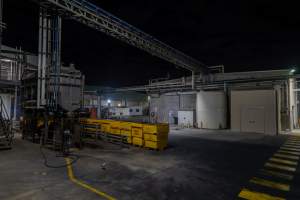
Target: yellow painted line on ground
279,155
270,184
294,145
291,146
84,185
251,195
289,152
295,141
282,161
277,174
290,149
281,167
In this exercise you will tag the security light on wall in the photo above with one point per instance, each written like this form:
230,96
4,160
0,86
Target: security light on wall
292,70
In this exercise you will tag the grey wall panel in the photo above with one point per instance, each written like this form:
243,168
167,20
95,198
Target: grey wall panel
188,102
246,104
165,108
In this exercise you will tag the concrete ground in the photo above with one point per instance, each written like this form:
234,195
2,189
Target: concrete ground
198,164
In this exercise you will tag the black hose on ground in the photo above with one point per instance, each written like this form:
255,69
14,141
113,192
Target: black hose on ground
74,160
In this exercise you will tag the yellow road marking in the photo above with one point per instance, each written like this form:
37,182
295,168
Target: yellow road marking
279,155
290,142
277,174
291,146
84,185
270,184
281,167
282,161
290,149
251,195
289,152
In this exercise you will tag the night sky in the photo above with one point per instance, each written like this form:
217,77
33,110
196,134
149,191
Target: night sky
242,35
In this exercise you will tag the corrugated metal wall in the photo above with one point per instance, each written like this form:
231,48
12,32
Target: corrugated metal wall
166,106
187,102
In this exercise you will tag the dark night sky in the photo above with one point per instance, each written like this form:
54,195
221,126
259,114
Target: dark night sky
242,35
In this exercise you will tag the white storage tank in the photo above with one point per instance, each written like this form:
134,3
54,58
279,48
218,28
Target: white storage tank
211,110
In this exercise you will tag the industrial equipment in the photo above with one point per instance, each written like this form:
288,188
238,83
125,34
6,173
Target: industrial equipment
44,105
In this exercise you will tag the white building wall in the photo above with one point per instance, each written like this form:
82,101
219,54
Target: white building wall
211,110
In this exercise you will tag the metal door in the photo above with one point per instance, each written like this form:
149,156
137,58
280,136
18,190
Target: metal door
253,119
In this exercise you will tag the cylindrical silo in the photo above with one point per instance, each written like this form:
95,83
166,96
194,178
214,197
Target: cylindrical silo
211,110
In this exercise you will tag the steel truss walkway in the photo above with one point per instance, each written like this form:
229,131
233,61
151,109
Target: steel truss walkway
96,18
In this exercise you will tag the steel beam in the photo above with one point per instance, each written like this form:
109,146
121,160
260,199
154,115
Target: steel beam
96,18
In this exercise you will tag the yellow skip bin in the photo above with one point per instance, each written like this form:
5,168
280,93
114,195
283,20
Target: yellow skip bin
137,132
151,137
137,141
155,128
156,145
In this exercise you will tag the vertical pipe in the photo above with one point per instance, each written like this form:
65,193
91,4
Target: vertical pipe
44,58
40,58
15,103
193,80
1,6
99,106
59,26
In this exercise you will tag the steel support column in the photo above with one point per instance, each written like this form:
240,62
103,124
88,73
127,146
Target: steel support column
49,59
1,28
193,80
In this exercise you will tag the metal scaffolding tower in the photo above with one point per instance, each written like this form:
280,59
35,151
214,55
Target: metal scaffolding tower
95,17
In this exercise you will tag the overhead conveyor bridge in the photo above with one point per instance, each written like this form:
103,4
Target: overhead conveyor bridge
97,18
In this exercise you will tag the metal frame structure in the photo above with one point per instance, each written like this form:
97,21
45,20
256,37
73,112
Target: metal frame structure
49,58
2,26
96,18
218,81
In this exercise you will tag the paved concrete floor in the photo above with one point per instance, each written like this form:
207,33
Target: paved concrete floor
198,164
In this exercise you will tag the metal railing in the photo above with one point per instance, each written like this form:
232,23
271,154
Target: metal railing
5,119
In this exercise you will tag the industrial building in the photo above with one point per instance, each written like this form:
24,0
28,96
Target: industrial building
211,134
257,102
